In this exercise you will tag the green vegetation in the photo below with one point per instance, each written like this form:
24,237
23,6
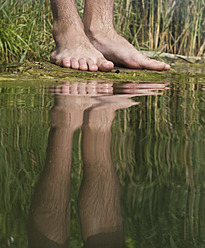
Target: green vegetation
25,30
165,26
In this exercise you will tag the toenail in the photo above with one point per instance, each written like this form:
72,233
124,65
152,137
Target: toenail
167,67
107,63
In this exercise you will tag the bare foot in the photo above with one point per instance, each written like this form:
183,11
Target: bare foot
74,50
118,50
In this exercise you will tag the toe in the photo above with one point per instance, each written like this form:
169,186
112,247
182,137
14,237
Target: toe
92,65
105,65
66,62
153,64
74,63
83,64
167,67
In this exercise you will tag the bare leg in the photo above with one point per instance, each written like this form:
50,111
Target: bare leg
98,22
73,48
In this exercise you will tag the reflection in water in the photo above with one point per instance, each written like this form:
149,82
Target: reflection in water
99,196
157,151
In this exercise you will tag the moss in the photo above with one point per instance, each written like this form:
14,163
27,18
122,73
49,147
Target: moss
47,71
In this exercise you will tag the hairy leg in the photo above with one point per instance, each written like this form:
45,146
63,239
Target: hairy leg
99,27
73,48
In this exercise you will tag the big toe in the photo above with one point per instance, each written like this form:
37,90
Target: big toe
106,66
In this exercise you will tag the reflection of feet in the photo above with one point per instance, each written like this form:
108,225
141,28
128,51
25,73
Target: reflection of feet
102,115
94,88
140,89
74,50
73,98
88,88
118,50
68,111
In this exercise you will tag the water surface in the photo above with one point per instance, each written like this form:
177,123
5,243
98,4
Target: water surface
86,165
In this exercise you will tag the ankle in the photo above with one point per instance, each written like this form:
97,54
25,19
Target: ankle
64,33
64,28
97,32
94,27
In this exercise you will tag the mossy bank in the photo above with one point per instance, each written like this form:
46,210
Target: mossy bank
46,71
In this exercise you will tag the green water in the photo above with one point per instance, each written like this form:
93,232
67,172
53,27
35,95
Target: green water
132,170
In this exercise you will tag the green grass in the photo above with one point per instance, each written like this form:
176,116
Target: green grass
165,26
25,30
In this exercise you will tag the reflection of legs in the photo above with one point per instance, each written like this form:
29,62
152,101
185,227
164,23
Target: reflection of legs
49,223
73,49
98,22
99,198
50,210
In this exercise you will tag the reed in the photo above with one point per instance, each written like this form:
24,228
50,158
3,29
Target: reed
166,26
